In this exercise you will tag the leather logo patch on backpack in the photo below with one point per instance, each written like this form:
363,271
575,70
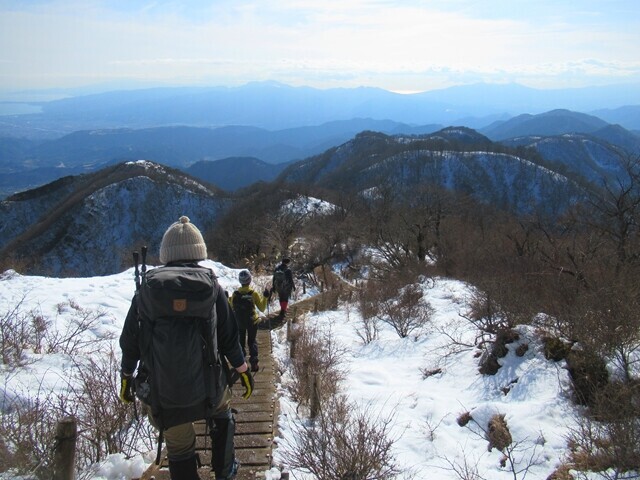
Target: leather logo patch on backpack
179,304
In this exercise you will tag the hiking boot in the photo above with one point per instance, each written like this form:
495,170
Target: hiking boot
185,469
234,472
254,366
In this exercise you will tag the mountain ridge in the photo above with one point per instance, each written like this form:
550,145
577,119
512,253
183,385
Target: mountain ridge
278,106
81,225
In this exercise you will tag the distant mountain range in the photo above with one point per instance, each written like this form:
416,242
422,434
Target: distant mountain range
28,163
555,122
275,106
213,154
82,224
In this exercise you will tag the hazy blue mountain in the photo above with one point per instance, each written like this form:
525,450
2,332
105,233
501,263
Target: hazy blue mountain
26,164
555,122
235,172
627,116
13,152
21,180
82,225
620,137
517,99
275,106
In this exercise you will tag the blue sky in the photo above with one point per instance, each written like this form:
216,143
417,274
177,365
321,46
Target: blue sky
405,46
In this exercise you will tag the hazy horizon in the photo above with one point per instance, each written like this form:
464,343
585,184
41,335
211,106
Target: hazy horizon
405,47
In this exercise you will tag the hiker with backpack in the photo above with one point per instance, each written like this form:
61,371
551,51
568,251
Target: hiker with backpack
244,302
282,284
179,338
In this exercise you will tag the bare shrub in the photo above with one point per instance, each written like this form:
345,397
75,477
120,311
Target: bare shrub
563,472
105,424
317,353
103,419
495,324
20,331
485,313
555,348
518,457
430,427
368,299
607,439
345,442
589,375
369,330
397,299
28,423
77,334
28,427
408,313
464,470
367,305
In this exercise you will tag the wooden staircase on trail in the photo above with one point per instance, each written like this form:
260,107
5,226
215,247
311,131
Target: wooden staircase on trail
255,425
256,420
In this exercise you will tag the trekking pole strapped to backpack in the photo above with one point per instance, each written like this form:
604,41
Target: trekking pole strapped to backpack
143,268
136,271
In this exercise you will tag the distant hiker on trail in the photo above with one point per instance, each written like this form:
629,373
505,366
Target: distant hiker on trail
244,302
283,285
177,338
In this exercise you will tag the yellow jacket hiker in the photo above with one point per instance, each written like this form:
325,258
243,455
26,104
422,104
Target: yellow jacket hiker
243,303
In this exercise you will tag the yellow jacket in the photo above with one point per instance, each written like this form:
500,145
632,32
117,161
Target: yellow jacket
259,300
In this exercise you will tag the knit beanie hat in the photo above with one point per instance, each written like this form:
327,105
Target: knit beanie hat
244,277
182,241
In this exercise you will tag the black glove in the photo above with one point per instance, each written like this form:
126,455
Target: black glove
266,293
126,387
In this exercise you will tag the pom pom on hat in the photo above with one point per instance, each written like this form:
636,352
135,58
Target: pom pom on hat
182,241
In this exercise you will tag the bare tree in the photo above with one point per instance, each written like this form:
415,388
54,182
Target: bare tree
346,443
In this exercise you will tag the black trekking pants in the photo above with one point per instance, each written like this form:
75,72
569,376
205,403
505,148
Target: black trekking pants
248,334
222,428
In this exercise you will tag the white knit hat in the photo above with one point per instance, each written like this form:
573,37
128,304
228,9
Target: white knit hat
182,241
244,277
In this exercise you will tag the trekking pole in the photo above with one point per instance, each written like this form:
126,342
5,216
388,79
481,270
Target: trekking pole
269,304
144,260
136,271
269,318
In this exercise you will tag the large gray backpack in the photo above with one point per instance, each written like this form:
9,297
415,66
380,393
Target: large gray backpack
178,344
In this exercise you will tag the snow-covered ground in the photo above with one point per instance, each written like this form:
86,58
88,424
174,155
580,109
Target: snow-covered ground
385,375
388,375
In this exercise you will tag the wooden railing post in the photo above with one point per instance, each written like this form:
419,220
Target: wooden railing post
315,397
64,455
292,347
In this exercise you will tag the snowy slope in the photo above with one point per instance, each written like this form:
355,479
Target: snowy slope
386,374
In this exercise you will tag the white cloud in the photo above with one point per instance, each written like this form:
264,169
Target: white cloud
396,45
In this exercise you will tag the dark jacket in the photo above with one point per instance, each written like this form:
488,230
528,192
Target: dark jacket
227,330
288,275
